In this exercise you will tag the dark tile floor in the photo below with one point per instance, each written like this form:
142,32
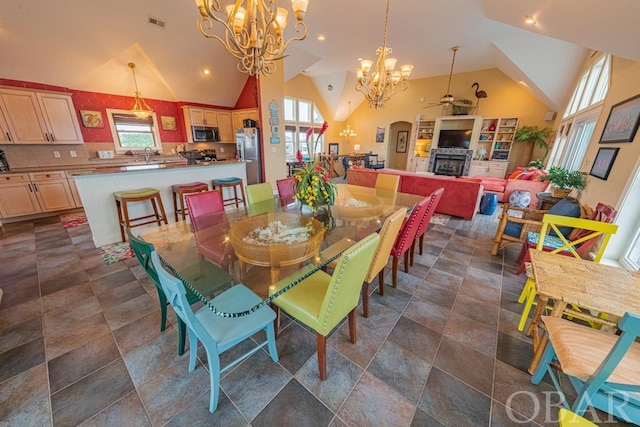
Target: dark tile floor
80,343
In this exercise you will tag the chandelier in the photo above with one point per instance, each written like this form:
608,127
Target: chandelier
140,108
348,133
254,33
384,82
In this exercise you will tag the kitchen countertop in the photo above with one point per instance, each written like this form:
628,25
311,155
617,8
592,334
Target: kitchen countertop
119,166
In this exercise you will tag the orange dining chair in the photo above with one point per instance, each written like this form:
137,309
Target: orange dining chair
434,199
602,212
597,229
405,239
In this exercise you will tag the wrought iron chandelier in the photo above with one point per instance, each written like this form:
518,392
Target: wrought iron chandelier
348,133
384,81
140,108
254,30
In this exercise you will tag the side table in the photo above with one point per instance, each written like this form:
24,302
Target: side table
546,201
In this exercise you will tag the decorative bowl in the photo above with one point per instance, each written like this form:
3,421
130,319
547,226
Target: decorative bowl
276,253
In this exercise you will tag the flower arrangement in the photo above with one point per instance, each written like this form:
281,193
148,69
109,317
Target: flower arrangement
313,186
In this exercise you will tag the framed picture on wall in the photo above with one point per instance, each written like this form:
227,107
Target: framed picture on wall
380,134
334,149
401,142
604,162
622,123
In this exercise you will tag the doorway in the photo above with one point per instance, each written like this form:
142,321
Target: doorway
399,145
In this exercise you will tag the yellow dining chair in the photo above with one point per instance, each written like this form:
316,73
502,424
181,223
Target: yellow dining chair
385,181
567,418
321,301
388,234
258,196
553,222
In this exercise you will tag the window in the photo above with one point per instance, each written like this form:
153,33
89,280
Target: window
299,116
131,133
581,115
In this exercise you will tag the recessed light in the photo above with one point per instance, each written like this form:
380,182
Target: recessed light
529,20
321,37
206,71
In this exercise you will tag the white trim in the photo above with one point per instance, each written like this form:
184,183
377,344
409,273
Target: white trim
116,140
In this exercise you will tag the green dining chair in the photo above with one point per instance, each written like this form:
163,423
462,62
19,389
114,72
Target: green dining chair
258,196
203,275
216,333
322,301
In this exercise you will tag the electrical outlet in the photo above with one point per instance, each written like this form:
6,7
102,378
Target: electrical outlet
73,153
273,149
56,154
222,149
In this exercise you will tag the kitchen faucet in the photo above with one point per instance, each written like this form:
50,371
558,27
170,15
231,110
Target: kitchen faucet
148,152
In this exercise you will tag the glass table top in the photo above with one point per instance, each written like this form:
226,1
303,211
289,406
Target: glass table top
268,241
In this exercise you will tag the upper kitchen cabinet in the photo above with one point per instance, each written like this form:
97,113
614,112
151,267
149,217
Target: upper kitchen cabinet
40,117
238,117
5,135
225,127
202,117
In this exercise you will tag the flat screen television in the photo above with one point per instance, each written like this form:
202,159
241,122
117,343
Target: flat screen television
454,138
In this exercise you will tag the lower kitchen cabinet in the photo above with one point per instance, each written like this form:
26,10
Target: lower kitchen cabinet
497,169
27,194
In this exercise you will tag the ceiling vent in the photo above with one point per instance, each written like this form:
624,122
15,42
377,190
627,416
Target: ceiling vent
157,22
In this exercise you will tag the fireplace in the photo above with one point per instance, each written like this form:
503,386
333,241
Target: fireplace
450,161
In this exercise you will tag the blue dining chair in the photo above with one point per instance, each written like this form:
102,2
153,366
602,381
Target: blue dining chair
218,334
603,368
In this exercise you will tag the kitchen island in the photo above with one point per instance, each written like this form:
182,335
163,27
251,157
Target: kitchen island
96,187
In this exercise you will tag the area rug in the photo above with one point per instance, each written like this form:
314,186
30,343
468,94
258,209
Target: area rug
116,252
439,219
73,219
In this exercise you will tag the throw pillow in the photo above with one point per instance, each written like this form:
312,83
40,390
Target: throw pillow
565,207
520,198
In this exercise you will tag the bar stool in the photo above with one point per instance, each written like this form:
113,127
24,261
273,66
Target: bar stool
231,182
179,190
139,195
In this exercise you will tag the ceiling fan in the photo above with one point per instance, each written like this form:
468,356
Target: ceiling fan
448,99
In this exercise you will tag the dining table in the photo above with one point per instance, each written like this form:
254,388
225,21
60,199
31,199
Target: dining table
579,288
266,241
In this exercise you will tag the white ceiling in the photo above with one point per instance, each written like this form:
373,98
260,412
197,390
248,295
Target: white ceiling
87,45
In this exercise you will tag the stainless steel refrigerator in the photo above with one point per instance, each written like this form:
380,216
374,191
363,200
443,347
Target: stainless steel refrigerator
248,148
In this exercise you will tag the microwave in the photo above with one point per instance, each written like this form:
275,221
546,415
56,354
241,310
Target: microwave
205,134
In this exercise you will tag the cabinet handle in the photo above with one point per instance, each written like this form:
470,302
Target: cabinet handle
35,186
47,135
52,138
9,137
30,190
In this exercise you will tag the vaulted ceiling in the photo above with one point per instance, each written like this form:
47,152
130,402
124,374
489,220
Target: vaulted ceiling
87,45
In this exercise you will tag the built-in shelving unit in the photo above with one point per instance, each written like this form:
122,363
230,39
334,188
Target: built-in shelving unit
495,139
422,146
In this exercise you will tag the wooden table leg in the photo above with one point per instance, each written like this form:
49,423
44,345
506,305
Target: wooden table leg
538,350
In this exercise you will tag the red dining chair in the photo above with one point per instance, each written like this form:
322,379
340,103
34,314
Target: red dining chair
405,239
286,189
210,226
434,199
602,213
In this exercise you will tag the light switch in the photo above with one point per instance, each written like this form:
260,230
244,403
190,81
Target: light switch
222,149
56,154
273,149
73,153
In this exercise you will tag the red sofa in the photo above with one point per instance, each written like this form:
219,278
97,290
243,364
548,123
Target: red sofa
461,196
504,187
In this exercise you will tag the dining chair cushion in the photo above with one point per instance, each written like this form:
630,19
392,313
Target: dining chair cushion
551,242
582,350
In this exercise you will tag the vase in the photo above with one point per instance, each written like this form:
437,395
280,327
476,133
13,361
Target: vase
306,209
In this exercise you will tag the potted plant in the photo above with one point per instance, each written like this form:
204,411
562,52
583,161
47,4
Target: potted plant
462,107
563,181
537,137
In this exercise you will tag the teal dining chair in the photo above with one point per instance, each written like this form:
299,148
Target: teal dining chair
216,333
203,275
603,368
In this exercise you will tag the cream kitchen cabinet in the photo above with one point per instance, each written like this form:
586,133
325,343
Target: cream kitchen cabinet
17,196
5,134
74,191
239,115
201,117
497,169
26,194
40,117
225,127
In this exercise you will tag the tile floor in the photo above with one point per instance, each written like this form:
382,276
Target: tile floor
80,343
